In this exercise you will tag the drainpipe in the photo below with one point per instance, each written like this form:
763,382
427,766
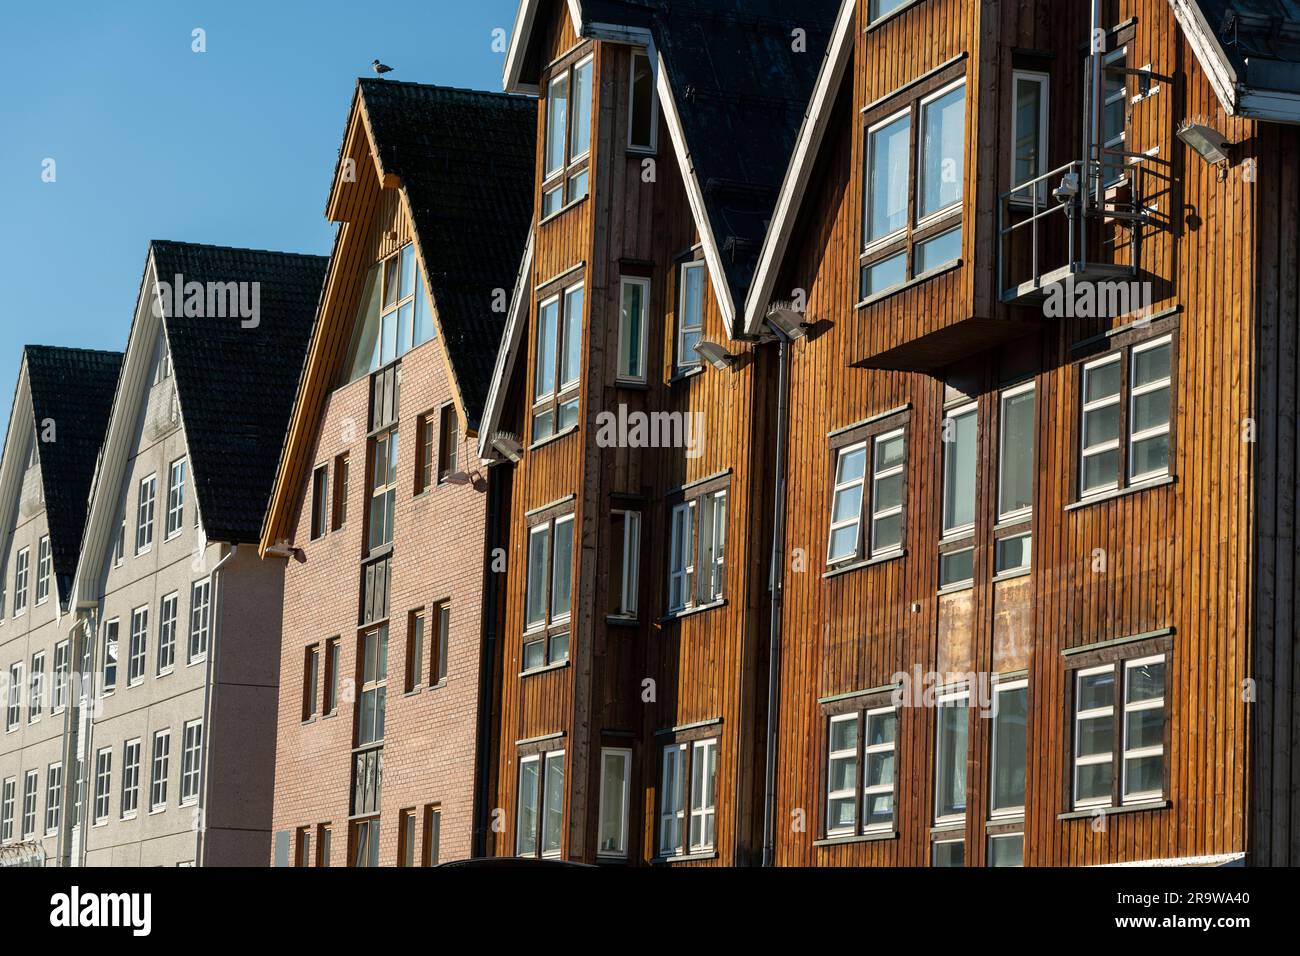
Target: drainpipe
487,660
1092,134
72,784
209,702
778,586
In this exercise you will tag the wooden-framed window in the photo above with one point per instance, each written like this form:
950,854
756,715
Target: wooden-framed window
568,135
913,184
1006,849
331,676
1030,112
424,441
643,105
364,839
20,580
414,649
176,497
692,279
869,492
860,788
372,678
44,565
167,616
557,376
448,442
136,650
688,797
324,837
145,501
615,793
310,681
697,547
1120,725
438,642
320,482
634,305
1126,423
959,437
539,820
624,576
948,852
548,598
302,854
340,511
406,837
431,847
383,489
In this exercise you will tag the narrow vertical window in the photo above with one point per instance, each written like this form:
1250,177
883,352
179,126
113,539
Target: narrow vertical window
681,572
553,805
7,810
942,150
448,442
374,686
1102,404
62,668
615,777
952,719
635,297
36,681
167,614
690,314
432,835
842,775
331,675
568,136
1007,777
414,650
383,489
340,514
139,644
162,751
549,593
625,539
704,810
31,786
319,501
109,683
103,780
529,804
176,498
192,744
1149,410
53,798
959,454
424,445
1094,736
43,567
145,500
439,643
539,821
130,800
310,681
1029,122
406,838
200,619
20,580
643,105
1144,729
887,493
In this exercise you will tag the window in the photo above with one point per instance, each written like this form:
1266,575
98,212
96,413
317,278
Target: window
340,491
960,443
119,546
406,838
136,649
539,827
43,569
1029,124
302,850
914,186
697,552
36,696
31,786
1119,732
320,478
167,633
20,580
324,835
1016,468
365,843
423,454
882,499
200,619
191,751
615,780
404,320
1007,777
130,778
432,835
643,105
310,681
383,489
438,645
109,682
952,720
697,762
374,686
568,136
1114,111
882,8
624,577
331,675
1007,849
448,441
176,498
103,779
7,810
635,300
947,853
62,667
558,371
1126,399
690,314
860,771
414,650
162,369
144,513
53,797
14,701
550,589
162,751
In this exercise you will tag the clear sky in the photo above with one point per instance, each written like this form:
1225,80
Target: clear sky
233,146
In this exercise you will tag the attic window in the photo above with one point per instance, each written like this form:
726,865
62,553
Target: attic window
568,136
643,108
393,317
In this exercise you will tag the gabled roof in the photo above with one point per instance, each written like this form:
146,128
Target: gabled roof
734,90
1250,49
73,390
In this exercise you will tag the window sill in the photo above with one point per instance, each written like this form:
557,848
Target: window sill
866,563
909,284
943,828
893,14
956,588
163,673
1089,812
197,660
563,433
547,220
631,385
691,611
640,152
617,621
1012,575
851,838
545,668
414,691
441,683
685,374
687,857
1138,488
154,811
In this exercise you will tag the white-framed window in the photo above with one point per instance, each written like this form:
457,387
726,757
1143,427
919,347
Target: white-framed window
405,320
1031,108
145,500
1016,433
643,105
557,374
634,305
1151,378
672,800
1007,773
876,9
1144,724
108,683
383,490
139,643
842,775
162,368
36,680
948,853
693,762
7,809
62,668
162,752
1114,105
191,751
103,782
20,580
319,501
568,136
176,497
1094,736
1102,404
1006,850
625,535
539,823
960,451
167,614
549,595
200,619
119,545
698,552
952,723
14,697
31,787
44,565
373,651
882,500
130,778
942,149
888,162
53,797
690,313
1126,417
615,785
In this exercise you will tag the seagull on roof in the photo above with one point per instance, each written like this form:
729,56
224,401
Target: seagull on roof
380,68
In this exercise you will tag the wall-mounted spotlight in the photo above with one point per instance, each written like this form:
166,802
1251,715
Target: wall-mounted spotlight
1209,143
507,445
716,356
783,317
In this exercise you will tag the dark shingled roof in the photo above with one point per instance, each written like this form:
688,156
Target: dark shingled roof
465,159
741,91
236,385
74,389
1261,39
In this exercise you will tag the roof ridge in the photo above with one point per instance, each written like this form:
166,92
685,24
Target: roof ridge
209,245
498,95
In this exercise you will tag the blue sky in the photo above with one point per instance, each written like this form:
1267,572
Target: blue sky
233,146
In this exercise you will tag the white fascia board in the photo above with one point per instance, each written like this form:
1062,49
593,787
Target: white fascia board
525,20
510,340
1208,53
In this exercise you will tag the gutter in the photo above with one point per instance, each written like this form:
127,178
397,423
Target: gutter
487,660
209,703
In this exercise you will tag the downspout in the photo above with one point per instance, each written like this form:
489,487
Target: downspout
209,703
778,586
486,673
73,785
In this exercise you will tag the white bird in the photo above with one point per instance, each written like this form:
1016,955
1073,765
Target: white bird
380,69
